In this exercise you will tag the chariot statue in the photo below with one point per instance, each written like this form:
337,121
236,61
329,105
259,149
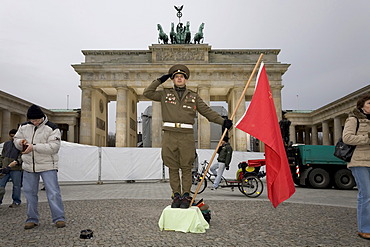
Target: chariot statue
182,34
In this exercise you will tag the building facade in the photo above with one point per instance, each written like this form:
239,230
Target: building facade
122,75
323,126
13,111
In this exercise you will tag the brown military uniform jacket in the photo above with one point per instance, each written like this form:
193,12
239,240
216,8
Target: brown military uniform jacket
176,110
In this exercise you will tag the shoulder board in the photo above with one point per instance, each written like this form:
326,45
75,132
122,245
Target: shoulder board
25,123
51,125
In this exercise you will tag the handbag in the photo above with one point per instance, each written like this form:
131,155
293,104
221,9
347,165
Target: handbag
345,151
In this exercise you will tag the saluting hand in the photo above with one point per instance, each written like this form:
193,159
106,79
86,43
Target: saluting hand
164,78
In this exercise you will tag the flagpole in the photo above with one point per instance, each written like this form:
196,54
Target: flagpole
225,131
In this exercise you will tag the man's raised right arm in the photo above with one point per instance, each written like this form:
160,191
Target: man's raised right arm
150,91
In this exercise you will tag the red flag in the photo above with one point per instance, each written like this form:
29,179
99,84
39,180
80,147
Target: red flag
260,121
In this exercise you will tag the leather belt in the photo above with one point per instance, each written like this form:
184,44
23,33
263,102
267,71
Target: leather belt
178,125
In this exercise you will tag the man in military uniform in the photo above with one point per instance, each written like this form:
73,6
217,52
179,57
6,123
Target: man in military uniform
179,106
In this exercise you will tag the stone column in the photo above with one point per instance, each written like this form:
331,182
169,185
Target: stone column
300,136
314,140
204,126
156,124
240,137
71,133
325,133
292,134
5,125
276,94
86,124
23,118
337,129
121,117
307,139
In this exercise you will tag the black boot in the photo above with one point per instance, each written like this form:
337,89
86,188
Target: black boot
176,202
185,201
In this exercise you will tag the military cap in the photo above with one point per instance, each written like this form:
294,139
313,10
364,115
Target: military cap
179,69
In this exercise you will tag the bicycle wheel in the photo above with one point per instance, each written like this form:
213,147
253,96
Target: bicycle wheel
195,181
251,186
222,184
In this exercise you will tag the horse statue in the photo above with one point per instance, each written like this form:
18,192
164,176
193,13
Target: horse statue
199,35
187,33
173,36
162,35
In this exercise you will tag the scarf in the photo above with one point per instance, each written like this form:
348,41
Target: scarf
180,91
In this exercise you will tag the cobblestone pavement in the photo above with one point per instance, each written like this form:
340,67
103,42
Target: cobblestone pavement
127,214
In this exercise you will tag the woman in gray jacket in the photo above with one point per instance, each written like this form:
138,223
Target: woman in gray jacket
360,162
40,141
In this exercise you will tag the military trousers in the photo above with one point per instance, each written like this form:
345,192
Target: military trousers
178,153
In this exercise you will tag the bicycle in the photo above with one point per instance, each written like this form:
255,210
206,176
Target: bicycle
248,178
197,176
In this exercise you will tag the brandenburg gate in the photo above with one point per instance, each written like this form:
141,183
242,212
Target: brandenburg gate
122,75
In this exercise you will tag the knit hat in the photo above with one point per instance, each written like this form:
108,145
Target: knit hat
34,112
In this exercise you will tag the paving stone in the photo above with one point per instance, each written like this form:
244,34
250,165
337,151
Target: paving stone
128,214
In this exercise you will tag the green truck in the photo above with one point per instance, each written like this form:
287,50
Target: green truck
315,166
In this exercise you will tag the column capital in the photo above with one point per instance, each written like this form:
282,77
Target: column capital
84,87
206,87
122,87
238,87
279,87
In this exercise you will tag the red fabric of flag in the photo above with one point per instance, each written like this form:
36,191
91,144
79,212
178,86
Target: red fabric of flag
260,121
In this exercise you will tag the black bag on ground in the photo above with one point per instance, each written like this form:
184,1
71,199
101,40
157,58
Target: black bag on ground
207,215
344,151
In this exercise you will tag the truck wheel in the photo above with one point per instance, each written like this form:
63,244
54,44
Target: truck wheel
319,178
344,180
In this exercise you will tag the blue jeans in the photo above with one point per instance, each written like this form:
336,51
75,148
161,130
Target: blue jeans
217,169
31,188
16,177
362,177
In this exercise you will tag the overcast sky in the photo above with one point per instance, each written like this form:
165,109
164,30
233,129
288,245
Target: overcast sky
327,42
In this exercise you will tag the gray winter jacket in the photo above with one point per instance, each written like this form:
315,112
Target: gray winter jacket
361,155
46,143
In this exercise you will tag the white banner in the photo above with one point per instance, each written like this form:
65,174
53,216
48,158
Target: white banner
78,162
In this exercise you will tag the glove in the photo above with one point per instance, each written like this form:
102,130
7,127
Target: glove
227,168
227,124
164,78
5,170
